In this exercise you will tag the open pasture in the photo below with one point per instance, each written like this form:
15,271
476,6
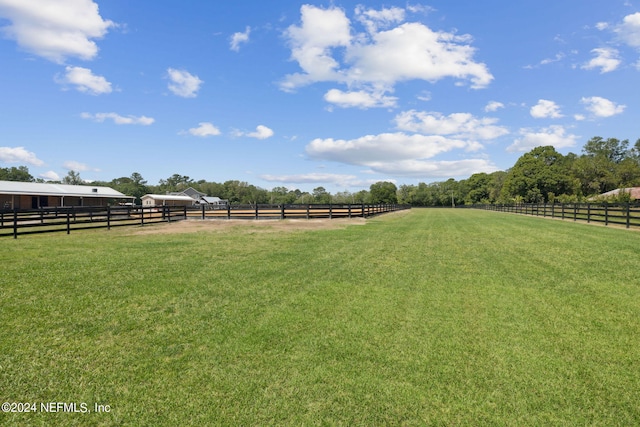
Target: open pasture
422,317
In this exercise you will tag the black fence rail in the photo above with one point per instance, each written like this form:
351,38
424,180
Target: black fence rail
292,211
48,220
625,214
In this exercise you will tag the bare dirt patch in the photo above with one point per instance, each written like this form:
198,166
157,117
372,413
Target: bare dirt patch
261,225
253,225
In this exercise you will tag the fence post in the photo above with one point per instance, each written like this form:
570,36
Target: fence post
15,223
108,217
606,213
308,207
257,212
330,211
69,221
362,212
282,211
588,213
202,211
142,215
563,211
349,210
228,211
575,212
628,210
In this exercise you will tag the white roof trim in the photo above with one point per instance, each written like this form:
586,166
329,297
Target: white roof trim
167,197
43,189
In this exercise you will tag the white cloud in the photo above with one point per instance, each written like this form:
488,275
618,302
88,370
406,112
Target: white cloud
545,109
75,166
118,119
602,107
493,106
50,176
606,59
262,132
85,81
19,155
359,99
425,95
374,19
312,178
412,51
326,51
559,57
629,30
183,83
458,125
205,129
238,38
434,169
55,30
553,135
386,147
311,44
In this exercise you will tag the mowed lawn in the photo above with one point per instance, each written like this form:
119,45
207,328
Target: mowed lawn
431,317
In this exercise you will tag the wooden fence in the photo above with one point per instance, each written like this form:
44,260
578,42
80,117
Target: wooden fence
625,214
305,211
47,220
16,222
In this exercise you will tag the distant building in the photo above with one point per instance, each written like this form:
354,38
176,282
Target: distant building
190,192
199,198
214,201
35,195
166,200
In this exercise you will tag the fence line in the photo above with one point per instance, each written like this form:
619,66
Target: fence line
14,222
626,214
291,211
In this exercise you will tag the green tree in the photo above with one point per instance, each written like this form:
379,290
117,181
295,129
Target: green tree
282,195
20,173
537,176
73,178
174,183
611,149
321,195
384,192
476,189
134,185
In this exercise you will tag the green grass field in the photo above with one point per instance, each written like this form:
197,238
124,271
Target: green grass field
432,317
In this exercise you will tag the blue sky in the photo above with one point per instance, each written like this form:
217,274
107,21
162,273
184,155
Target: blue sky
337,94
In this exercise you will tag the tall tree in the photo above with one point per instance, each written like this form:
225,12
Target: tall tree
73,178
611,149
537,177
321,195
20,173
384,192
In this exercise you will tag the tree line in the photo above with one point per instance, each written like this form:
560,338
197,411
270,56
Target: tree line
543,175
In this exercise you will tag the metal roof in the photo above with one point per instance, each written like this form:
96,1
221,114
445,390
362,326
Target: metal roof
634,192
45,189
212,199
168,197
